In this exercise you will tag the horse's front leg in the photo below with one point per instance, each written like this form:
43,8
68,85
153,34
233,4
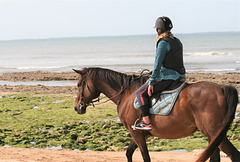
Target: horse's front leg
140,140
130,150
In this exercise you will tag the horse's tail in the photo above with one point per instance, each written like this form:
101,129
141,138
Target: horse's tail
231,96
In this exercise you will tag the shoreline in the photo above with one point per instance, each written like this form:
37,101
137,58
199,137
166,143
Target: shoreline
71,76
50,82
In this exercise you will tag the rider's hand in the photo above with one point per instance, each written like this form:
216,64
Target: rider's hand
150,71
150,90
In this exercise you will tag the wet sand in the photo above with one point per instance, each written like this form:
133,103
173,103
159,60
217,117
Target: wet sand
9,154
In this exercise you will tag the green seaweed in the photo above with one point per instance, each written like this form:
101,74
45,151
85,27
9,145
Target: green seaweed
47,120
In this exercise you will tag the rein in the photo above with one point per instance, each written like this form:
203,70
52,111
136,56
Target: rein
98,100
82,103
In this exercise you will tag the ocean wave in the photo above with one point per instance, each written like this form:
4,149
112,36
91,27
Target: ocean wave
38,67
209,54
213,70
45,83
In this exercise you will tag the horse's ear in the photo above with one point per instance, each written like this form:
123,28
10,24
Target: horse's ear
78,71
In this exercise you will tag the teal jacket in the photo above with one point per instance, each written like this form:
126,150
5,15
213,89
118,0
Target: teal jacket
160,73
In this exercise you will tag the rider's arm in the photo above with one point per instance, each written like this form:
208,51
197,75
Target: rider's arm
162,49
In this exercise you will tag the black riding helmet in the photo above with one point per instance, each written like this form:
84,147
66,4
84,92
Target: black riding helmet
163,23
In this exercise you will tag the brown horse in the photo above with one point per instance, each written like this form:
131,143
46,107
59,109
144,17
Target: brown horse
203,106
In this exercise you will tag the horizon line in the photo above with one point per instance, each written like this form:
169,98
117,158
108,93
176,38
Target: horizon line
92,36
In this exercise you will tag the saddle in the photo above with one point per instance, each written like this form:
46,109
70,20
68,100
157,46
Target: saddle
163,102
174,87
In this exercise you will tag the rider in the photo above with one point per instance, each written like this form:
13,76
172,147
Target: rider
168,67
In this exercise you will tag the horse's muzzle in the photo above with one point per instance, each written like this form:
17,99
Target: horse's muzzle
80,109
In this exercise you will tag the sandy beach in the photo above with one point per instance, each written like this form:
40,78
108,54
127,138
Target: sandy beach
9,154
13,154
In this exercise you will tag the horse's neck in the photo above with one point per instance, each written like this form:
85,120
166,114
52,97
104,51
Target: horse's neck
109,92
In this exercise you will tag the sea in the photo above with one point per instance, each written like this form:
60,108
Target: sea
217,52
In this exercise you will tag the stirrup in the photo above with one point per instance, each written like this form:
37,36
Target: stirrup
135,123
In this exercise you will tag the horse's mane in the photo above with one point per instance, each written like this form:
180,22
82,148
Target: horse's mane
115,79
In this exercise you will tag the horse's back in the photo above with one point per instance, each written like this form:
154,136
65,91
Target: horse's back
210,102
203,101
204,97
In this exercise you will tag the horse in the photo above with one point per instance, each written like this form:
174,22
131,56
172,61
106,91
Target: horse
204,106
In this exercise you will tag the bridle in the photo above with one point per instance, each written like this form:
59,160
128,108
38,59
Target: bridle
82,103
84,82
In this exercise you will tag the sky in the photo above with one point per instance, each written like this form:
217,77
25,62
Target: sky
40,19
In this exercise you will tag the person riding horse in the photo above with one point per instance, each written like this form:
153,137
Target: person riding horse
168,67
212,116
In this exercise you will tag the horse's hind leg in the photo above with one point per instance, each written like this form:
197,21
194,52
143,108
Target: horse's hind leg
130,150
215,157
227,147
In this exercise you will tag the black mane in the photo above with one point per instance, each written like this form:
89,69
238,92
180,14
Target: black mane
115,79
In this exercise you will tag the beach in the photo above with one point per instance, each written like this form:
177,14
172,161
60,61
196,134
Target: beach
15,154
9,154
43,83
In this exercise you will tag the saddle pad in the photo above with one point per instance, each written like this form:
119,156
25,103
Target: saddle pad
163,107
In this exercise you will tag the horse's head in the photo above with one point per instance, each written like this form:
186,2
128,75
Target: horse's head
87,91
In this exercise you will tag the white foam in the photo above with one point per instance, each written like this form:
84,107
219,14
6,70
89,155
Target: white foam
212,53
39,67
211,70
45,83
